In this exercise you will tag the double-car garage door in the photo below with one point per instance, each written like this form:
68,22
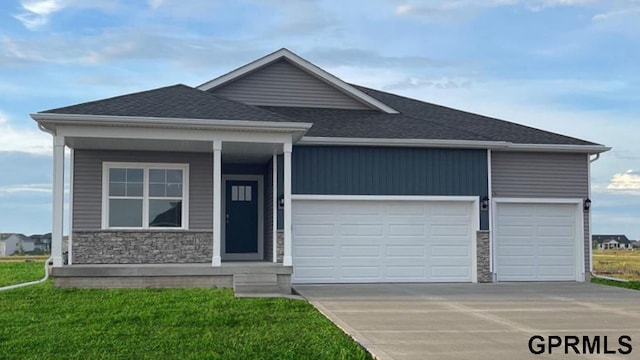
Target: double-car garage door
356,241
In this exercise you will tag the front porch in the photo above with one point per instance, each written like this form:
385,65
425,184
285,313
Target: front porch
165,202
245,277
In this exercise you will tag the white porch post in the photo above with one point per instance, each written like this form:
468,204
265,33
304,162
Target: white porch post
287,260
217,202
58,201
274,192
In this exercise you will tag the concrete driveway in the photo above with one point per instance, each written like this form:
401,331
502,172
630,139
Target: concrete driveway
482,321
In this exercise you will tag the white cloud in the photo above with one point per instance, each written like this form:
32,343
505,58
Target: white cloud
25,188
628,182
36,13
28,140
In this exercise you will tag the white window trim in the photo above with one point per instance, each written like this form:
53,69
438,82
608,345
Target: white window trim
106,165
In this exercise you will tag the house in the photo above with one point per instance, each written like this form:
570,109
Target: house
606,242
281,171
42,242
11,244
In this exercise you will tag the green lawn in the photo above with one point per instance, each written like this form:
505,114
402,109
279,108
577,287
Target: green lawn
42,322
19,272
635,285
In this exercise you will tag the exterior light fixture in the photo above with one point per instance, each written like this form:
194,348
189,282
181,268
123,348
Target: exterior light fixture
586,204
484,202
281,202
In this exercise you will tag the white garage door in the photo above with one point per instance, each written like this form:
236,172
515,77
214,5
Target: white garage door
536,242
352,241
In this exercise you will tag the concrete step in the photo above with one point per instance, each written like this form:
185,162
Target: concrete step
256,285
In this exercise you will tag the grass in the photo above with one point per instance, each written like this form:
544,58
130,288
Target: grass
622,264
14,272
635,285
44,322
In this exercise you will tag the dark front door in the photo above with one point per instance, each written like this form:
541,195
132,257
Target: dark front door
241,218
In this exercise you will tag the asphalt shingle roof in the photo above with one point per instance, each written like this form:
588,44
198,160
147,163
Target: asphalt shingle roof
176,101
416,120
490,128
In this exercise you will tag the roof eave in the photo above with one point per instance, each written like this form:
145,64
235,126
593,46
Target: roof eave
49,121
446,143
305,65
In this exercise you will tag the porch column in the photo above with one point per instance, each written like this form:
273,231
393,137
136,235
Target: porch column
274,192
217,202
58,201
287,260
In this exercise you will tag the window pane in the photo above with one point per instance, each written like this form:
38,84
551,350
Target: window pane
247,191
134,189
157,189
157,175
117,189
125,212
240,193
134,175
174,190
117,175
165,213
174,176
234,193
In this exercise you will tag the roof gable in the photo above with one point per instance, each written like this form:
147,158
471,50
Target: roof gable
283,78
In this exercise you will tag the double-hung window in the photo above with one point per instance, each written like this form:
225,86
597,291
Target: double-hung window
144,195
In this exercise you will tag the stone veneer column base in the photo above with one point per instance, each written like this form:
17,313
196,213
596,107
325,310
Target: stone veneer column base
280,241
483,257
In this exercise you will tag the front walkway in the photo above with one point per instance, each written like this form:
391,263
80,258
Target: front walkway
478,321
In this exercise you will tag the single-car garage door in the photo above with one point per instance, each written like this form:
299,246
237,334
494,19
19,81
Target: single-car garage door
536,242
355,241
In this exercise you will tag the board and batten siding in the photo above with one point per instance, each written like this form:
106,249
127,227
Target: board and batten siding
283,84
542,175
355,170
87,187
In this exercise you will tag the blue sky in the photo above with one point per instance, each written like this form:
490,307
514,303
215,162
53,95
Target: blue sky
569,66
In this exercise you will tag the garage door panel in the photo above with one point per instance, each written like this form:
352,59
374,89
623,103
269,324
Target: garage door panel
541,247
405,251
385,241
314,230
449,273
315,251
361,229
449,250
450,230
407,229
364,251
406,209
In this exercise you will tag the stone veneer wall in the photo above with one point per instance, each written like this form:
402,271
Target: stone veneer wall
280,245
142,247
483,257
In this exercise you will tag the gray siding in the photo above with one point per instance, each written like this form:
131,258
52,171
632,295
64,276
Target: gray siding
522,174
87,188
542,175
283,84
341,170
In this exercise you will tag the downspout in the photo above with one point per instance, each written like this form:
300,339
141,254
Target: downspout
595,158
46,276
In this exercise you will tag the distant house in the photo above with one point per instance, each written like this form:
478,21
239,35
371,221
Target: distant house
15,243
42,242
605,242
